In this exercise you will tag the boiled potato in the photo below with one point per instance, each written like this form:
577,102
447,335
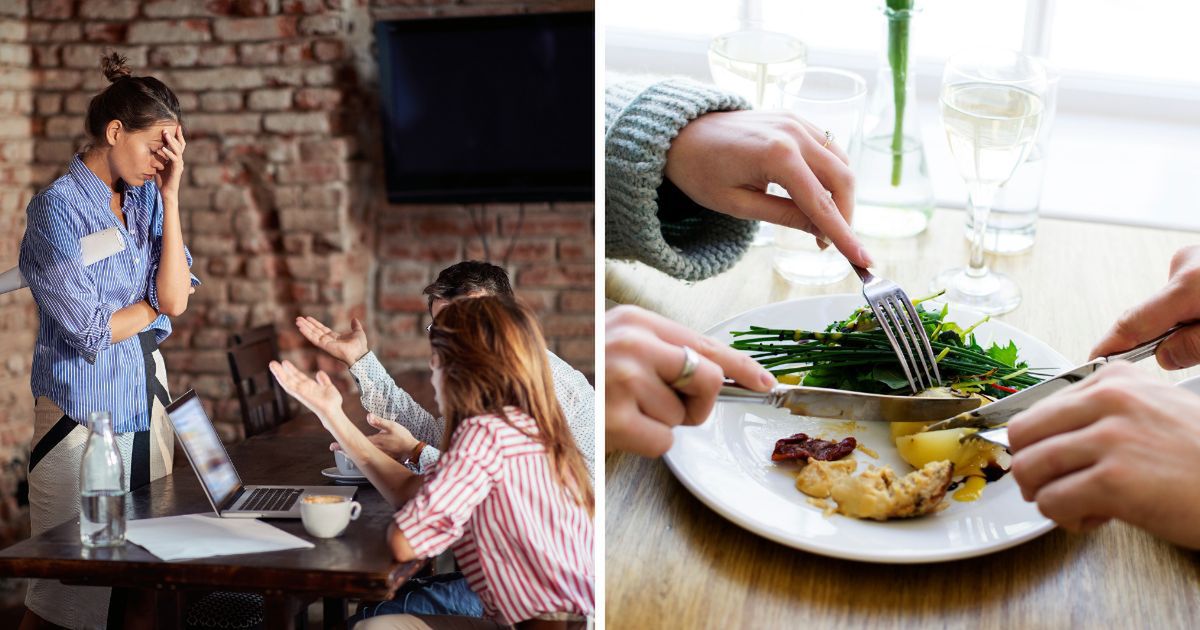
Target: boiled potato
901,429
919,449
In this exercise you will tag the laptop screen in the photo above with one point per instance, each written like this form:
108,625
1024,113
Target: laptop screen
204,447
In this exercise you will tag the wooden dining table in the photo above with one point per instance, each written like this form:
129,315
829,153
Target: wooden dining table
672,562
149,592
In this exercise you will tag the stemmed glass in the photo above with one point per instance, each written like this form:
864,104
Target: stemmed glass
991,108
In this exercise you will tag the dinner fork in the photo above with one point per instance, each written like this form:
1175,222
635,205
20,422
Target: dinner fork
900,322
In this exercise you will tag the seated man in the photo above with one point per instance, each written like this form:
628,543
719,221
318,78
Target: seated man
407,431
418,429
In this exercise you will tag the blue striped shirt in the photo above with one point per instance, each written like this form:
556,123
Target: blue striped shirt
75,363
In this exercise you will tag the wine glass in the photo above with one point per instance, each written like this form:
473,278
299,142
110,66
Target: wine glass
991,107
753,62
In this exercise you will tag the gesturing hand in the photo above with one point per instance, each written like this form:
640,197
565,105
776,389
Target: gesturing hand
319,395
725,160
393,438
347,347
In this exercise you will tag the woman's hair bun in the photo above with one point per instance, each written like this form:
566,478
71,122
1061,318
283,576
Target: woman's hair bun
115,67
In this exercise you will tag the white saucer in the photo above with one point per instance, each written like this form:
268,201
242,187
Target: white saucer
332,473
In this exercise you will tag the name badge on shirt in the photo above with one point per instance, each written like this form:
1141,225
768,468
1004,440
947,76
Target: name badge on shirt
100,245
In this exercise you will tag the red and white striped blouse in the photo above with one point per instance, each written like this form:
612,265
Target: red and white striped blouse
523,544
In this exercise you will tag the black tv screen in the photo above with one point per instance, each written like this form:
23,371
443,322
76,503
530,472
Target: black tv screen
497,108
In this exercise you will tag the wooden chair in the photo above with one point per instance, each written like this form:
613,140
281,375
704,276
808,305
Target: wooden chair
263,402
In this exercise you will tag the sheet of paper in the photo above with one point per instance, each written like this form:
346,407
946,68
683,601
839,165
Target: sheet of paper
205,535
94,247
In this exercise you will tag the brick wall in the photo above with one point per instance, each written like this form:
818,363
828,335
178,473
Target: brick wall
283,206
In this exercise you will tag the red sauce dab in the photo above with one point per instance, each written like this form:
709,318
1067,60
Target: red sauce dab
803,448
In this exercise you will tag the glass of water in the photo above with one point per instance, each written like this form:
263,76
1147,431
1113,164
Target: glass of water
991,105
834,100
753,63
1012,224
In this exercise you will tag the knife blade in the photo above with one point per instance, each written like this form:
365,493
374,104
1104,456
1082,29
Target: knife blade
1001,411
840,404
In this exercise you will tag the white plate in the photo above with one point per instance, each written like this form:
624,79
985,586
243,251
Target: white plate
332,473
726,463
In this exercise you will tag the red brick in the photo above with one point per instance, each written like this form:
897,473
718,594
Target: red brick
303,6
407,302
317,98
458,224
224,124
230,198
77,102
18,55
255,29
275,77
565,275
183,8
52,9
211,245
265,54
110,32
311,221
55,32
221,101
107,9
329,50
555,325
295,53
54,151
216,174
169,31
217,79
264,267
522,250
184,56
225,266
311,173
63,127
297,243
577,351
250,291
321,25
49,104
61,79
317,149
324,196
441,251
202,151
88,56
303,292
312,122
320,75
404,274
270,99
47,56
315,267
577,301
546,225
572,250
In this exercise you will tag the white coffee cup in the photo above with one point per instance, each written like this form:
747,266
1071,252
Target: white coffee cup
345,465
327,515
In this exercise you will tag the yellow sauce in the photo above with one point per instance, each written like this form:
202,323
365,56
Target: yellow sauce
971,489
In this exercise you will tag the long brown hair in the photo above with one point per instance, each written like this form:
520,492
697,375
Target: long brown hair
492,354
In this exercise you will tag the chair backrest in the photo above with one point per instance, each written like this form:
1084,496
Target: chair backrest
262,400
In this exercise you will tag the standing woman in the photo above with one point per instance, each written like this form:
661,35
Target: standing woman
99,325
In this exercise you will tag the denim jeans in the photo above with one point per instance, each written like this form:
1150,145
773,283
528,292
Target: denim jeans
444,594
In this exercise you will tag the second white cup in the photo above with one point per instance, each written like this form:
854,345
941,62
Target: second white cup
327,515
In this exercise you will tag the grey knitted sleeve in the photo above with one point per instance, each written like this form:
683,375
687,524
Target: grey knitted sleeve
641,118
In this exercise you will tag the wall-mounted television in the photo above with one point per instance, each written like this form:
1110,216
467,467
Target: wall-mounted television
497,108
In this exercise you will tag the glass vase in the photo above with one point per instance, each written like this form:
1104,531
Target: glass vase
894,194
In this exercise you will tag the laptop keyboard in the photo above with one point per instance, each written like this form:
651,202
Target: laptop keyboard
271,499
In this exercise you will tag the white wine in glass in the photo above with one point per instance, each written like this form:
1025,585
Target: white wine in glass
991,109
754,63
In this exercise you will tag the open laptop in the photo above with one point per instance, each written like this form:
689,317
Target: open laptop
220,479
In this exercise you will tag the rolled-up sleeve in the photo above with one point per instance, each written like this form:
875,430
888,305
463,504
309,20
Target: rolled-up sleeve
462,479
64,289
156,250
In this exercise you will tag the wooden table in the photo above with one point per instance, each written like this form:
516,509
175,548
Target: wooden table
358,564
672,562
